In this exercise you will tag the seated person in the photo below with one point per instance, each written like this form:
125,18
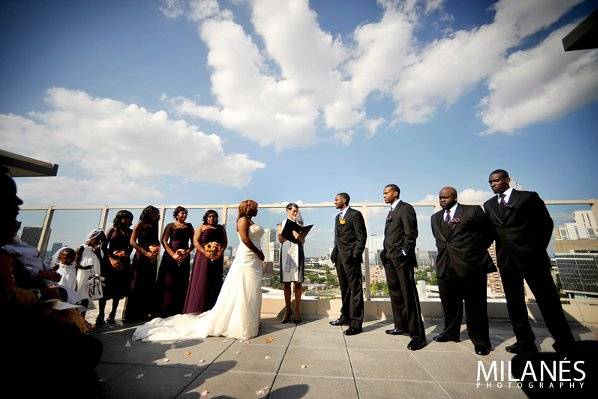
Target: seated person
37,344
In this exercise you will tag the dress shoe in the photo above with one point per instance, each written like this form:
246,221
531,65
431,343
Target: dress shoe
110,320
287,316
416,344
482,350
100,322
445,338
395,331
518,347
353,331
297,321
339,322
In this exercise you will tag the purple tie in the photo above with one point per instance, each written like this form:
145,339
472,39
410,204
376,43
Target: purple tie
447,216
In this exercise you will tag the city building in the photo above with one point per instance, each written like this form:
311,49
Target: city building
31,235
377,274
426,259
55,247
271,246
375,245
578,273
494,283
578,236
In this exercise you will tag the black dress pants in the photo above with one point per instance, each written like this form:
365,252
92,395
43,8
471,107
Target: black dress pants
542,286
349,278
471,289
404,300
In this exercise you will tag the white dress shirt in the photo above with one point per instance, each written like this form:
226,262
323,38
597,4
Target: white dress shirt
452,211
507,194
343,212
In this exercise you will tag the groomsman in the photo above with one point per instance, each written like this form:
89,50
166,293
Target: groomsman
463,234
398,258
522,228
349,243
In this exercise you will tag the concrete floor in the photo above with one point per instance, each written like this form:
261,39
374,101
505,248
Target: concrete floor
311,360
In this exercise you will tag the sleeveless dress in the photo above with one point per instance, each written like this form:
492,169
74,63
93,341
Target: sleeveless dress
141,302
236,313
117,280
206,276
173,277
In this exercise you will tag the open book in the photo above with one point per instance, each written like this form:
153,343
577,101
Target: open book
291,226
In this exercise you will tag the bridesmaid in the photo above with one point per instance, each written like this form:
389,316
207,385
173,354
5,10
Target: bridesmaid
141,303
173,275
116,264
206,277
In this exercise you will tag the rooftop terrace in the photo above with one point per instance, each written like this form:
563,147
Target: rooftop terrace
310,360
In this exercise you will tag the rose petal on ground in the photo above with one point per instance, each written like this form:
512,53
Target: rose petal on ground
139,376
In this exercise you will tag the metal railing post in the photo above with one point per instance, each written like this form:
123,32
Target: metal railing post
103,218
366,260
224,217
42,245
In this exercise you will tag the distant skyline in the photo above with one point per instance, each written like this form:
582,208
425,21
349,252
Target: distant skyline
205,101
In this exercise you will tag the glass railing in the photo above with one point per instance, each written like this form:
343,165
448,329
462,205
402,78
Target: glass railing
574,232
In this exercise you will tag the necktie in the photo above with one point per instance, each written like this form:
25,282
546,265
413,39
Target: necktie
447,216
502,206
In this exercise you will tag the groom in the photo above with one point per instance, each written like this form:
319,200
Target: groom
349,243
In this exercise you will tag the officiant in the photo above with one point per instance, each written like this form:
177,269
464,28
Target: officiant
292,261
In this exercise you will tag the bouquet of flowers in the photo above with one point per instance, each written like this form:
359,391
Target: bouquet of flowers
154,251
212,249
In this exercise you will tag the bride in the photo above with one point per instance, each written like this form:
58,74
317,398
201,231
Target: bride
236,313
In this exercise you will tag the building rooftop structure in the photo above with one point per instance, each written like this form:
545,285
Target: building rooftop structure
22,166
310,360
584,36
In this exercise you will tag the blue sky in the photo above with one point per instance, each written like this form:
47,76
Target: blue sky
212,102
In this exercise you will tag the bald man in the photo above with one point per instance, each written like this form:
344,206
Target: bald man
463,234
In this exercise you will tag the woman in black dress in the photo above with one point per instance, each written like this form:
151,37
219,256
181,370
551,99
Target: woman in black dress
173,275
116,264
141,303
206,277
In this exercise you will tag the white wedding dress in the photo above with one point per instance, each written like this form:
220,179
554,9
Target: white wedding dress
236,313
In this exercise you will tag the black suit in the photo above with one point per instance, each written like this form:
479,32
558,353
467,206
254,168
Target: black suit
349,243
522,231
398,258
462,265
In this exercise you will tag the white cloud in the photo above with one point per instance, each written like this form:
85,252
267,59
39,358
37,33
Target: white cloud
114,151
344,137
288,78
372,126
254,104
195,10
448,67
467,196
473,196
540,84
